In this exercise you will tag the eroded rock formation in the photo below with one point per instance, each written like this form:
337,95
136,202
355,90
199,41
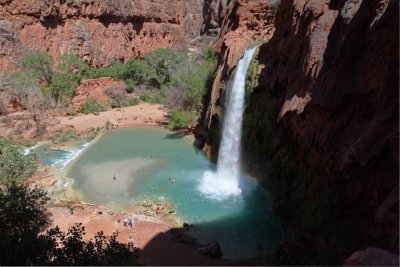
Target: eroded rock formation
96,89
321,129
100,31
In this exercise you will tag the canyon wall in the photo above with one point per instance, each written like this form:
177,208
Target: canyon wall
243,22
321,126
99,31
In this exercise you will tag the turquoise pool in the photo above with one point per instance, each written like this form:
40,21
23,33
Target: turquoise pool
143,160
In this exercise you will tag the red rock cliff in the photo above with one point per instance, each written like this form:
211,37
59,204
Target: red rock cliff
99,31
321,129
242,23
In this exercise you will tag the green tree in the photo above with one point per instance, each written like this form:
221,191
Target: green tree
189,85
140,72
13,164
41,64
165,62
71,63
25,241
63,85
24,91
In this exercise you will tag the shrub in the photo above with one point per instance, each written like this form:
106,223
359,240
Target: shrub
13,164
118,97
148,99
252,77
130,85
181,119
91,106
133,101
64,136
209,55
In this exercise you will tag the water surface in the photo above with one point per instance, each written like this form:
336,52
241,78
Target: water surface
142,161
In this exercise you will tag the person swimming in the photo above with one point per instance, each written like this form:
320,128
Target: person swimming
171,180
114,177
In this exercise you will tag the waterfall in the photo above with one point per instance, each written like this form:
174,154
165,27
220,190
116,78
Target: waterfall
225,182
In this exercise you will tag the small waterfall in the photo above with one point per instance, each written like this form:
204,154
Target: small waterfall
225,182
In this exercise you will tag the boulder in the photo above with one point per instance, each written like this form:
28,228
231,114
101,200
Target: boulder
212,249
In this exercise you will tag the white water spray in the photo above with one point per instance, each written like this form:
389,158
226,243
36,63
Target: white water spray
225,182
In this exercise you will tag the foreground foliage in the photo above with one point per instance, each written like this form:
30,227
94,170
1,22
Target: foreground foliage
25,240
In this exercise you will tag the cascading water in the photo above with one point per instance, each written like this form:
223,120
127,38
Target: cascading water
225,182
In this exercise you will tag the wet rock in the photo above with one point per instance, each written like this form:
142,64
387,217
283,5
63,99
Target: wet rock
212,249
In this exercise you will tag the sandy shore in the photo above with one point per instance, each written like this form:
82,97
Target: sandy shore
142,114
153,236
158,246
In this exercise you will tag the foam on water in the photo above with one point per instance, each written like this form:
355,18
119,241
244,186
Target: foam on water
59,158
63,163
28,150
216,188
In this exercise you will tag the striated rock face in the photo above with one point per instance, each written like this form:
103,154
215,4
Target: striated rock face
321,129
242,22
100,31
96,89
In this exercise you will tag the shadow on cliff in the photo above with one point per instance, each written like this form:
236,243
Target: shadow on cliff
354,101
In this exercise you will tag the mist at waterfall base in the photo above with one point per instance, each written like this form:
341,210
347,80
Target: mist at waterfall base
225,182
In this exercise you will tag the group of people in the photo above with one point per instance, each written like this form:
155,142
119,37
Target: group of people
129,221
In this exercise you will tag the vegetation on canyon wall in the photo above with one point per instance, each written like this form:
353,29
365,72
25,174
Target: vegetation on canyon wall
165,76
